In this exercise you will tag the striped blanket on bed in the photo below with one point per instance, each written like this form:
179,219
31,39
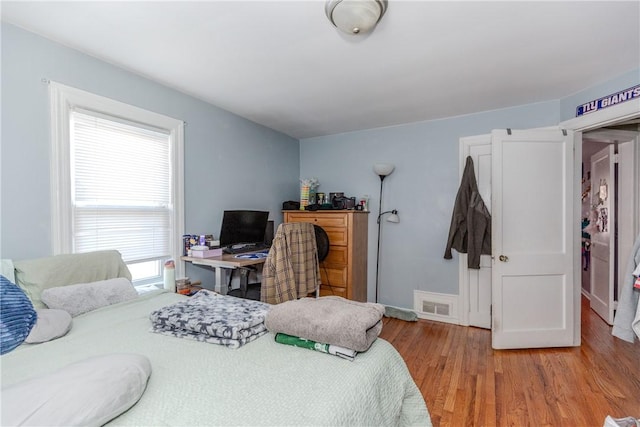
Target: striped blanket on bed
213,318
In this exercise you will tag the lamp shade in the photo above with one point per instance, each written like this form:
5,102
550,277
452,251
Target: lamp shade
383,169
355,16
393,217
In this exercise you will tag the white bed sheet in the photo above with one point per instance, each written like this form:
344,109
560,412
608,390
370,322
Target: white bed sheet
261,383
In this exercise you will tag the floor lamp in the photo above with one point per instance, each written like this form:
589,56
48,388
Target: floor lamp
383,170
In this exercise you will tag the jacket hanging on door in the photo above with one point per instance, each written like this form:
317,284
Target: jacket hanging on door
470,230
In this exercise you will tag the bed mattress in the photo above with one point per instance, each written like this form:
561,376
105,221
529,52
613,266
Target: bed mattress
260,383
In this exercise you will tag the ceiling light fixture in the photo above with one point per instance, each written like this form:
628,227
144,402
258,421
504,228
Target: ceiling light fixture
355,16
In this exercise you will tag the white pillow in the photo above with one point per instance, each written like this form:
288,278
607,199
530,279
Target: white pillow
51,324
36,275
85,297
88,393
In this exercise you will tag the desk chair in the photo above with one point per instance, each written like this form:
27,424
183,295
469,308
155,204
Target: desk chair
246,290
292,268
322,243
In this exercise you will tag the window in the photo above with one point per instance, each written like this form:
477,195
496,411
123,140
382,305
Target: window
116,181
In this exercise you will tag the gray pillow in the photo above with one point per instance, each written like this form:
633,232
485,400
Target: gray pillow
85,297
86,393
51,324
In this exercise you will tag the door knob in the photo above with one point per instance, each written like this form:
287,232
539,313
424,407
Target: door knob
503,258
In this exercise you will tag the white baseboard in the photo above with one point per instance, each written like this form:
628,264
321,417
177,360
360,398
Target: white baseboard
436,306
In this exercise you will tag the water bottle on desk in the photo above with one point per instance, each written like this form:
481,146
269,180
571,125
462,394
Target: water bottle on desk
170,276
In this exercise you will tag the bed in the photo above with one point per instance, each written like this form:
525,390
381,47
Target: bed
260,383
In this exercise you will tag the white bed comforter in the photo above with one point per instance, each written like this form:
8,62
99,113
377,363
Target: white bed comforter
261,383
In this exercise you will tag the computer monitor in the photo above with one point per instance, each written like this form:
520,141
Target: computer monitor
242,226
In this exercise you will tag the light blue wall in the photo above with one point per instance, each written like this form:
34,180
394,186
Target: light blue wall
422,188
218,145
569,104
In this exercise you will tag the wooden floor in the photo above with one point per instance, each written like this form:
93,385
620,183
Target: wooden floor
466,383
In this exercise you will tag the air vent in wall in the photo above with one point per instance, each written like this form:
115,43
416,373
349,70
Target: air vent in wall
435,308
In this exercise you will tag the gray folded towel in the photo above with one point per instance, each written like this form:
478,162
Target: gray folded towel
331,320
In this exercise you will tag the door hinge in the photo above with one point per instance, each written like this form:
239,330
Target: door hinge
616,158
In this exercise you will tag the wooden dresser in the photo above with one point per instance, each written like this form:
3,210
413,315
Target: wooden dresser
344,271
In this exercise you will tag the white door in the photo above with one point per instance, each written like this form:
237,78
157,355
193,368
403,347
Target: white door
477,283
603,235
627,220
532,244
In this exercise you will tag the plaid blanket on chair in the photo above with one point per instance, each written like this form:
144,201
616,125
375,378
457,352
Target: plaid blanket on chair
291,270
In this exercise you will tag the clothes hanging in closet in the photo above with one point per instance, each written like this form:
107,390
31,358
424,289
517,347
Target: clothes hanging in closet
470,230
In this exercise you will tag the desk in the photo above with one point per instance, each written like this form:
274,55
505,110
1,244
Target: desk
225,261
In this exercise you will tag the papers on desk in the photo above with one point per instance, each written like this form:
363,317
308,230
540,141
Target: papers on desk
207,253
253,255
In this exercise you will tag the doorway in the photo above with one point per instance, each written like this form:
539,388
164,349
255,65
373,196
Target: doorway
608,228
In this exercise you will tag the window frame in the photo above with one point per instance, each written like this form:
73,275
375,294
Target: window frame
62,100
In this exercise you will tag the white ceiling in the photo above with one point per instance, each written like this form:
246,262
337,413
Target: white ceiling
282,64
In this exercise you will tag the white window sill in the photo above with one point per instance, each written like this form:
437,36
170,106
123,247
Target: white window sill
143,289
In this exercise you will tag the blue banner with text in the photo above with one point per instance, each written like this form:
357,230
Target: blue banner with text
608,101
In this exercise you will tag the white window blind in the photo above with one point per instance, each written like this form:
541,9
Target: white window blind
117,181
121,186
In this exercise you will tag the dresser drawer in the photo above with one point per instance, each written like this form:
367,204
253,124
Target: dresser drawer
333,275
326,291
337,236
324,220
338,255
